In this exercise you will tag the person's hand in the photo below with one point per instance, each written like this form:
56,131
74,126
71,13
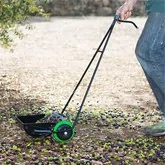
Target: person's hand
125,10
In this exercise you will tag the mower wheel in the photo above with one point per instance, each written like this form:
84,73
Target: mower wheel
63,131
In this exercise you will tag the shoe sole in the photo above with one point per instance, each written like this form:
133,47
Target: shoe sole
156,134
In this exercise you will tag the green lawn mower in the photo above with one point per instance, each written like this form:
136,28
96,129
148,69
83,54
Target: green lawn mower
56,124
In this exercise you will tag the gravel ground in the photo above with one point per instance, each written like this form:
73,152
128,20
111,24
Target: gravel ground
48,63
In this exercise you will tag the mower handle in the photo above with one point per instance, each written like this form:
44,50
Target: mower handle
117,18
101,50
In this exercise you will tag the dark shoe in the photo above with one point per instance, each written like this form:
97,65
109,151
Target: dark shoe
156,130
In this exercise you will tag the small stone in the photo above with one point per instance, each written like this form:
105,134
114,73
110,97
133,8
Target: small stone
96,162
105,2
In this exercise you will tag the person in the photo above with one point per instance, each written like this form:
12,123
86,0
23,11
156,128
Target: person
150,52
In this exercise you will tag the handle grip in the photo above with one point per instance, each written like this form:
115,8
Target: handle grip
117,18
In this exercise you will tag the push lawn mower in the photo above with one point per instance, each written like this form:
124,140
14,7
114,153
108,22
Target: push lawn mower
57,125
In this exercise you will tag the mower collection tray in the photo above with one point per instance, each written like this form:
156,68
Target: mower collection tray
28,123
61,130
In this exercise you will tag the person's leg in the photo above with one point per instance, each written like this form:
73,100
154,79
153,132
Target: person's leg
150,52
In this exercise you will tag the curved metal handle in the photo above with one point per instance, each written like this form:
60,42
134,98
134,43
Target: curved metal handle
117,18
129,22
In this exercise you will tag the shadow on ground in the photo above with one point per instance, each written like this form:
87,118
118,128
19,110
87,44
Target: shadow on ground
12,102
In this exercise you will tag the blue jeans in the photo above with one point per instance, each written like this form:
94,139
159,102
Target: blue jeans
150,52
